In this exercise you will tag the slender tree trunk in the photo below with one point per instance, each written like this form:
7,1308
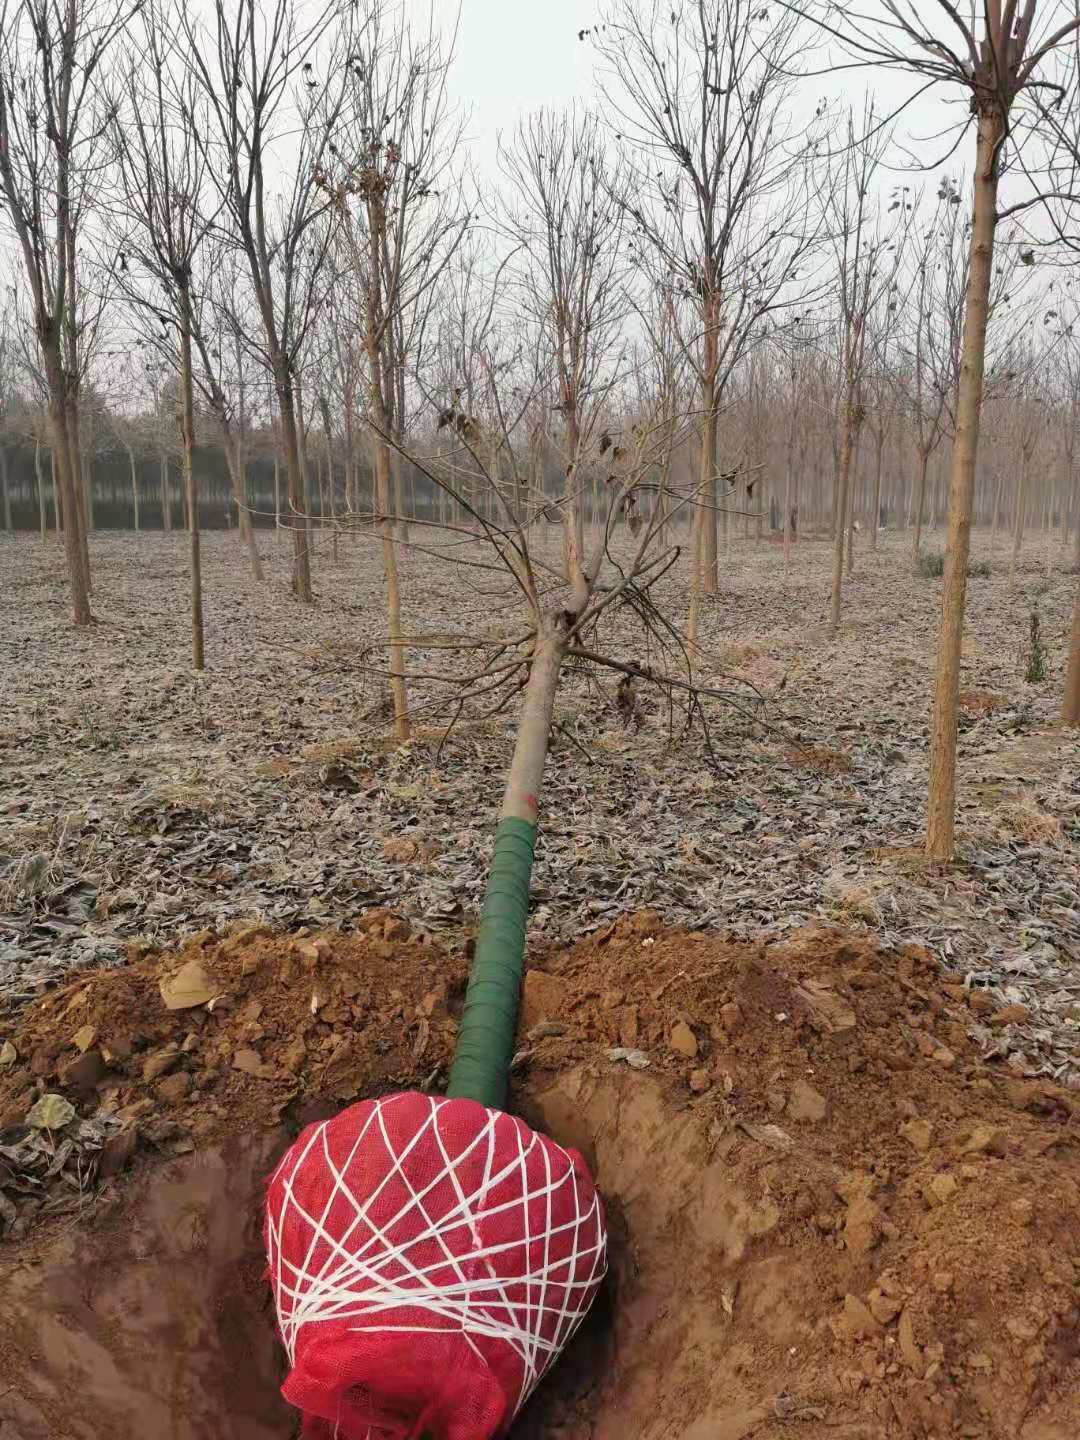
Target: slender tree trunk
305,468
39,478
377,409
940,841
62,468
705,547
166,498
485,1044
191,479
997,512
134,486
5,497
294,475
234,458
1018,521
852,507
847,448
1070,709
879,465
277,491
57,498
920,507
78,483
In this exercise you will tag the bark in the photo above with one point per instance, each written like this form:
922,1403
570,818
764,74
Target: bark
1070,709
920,506
5,497
56,496
294,476
191,485
708,498
1018,521
79,488
277,490
61,449
940,838
847,449
852,507
379,419
521,796
234,458
39,477
134,486
166,498
879,464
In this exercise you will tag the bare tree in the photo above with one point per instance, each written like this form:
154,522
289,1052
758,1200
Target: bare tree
719,182
51,122
994,53
163,219
565,216
384,178
258,69
866,259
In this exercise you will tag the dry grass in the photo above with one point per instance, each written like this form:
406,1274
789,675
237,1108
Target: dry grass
1024,820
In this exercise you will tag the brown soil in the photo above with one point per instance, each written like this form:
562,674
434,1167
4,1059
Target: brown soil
827,1217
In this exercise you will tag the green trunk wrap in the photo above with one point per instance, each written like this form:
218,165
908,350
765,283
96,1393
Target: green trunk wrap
485,1047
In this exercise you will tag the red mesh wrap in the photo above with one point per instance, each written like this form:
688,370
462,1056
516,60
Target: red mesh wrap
429,1260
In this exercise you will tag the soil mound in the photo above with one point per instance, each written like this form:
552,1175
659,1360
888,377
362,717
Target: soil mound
828,1216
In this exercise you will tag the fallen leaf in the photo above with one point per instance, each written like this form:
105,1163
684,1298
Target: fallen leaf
51,1112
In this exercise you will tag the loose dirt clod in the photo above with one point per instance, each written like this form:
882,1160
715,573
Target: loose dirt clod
827,1271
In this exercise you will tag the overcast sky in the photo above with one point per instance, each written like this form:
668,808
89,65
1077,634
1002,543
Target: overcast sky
514,56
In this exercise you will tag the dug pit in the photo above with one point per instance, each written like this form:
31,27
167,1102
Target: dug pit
827,1217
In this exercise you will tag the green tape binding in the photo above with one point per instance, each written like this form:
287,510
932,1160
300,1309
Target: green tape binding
485,1047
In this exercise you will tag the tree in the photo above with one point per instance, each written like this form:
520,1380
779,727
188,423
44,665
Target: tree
565,217
866,260
719,186
382,178
162,222
52,118
995,54
249,65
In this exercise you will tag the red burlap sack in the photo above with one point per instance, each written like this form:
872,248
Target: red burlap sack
429,1259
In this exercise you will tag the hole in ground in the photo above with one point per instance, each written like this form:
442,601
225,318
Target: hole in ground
732,1309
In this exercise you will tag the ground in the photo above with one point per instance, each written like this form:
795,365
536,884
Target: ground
825,1210
829,1094
142,802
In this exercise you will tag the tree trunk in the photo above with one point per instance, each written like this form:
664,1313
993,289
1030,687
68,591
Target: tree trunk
706,558
5,498
294,475
847,449
277,491
486,1039
39,477
879,464
941,818
134,486
920,505
379,419
852,507
1070,709
61,448
166,498
191,486
78,512
1018,520
235,461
